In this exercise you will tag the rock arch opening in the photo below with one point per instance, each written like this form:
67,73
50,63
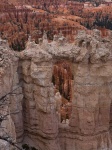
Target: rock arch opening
62,79
80,43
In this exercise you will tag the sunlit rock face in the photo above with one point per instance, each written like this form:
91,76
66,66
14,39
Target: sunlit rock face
36,104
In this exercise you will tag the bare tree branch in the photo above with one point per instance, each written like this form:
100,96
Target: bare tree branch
3,117
9,140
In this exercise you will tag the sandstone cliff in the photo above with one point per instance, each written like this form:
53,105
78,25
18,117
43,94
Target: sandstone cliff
26,80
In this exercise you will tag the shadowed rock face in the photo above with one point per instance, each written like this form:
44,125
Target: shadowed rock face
33,106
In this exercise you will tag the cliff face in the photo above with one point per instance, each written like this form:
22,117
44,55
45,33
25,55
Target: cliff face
10,96
26,79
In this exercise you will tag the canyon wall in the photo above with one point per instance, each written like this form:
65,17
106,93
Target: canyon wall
26,79
11,96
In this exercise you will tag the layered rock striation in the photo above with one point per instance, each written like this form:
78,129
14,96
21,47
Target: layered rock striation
26,79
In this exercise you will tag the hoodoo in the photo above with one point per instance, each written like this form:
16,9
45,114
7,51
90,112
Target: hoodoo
57,95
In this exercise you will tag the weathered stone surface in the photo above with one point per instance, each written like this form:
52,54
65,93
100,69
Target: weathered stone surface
28,77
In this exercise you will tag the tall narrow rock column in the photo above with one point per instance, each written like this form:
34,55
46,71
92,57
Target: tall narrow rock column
45,103
44,127
91,107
